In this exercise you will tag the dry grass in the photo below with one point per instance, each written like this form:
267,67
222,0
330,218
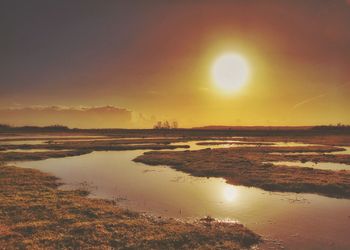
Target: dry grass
75,148
245,166
34,214
33,156
121,144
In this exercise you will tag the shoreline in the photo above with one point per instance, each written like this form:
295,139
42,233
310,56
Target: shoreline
247,167
36,214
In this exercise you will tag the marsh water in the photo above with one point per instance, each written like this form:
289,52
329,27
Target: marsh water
27,150
295,221
319,165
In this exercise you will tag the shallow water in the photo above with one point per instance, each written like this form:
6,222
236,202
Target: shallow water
83,139
300,221
319,165
41,137
194,145
38,141
295,153
237,143
346,152
34,140
28,150
114,139
24,142
293,144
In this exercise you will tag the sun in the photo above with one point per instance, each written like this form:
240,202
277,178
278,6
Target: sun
230,72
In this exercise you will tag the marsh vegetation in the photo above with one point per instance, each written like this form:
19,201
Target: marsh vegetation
42,206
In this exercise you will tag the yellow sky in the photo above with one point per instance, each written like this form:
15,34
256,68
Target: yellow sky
155,59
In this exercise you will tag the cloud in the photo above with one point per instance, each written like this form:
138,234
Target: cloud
80,117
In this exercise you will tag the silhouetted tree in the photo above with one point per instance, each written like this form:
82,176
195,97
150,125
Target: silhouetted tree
175,125
158,125
166,125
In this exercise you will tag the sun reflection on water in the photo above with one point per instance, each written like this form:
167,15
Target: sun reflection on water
230,193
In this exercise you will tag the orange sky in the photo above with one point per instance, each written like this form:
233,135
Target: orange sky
155,58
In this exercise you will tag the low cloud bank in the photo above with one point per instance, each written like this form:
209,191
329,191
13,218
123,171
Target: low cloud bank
74,117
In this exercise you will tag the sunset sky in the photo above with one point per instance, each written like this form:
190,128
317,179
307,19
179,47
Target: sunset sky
154,59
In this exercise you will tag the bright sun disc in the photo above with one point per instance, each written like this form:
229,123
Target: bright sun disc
230,72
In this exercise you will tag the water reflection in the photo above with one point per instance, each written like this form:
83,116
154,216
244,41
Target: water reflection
230,193
237,143
20,142
294,144
345,152
319,165
299,220
40,139
193,145
27,150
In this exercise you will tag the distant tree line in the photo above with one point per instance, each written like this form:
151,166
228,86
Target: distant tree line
338,127
166,125
52,128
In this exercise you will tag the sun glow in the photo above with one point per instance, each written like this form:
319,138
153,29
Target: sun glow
230,72
230,193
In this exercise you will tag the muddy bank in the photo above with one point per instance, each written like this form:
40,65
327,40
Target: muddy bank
245,166
35,214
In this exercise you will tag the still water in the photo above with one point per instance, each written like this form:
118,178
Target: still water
319,165
28,150
193,145
297,221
